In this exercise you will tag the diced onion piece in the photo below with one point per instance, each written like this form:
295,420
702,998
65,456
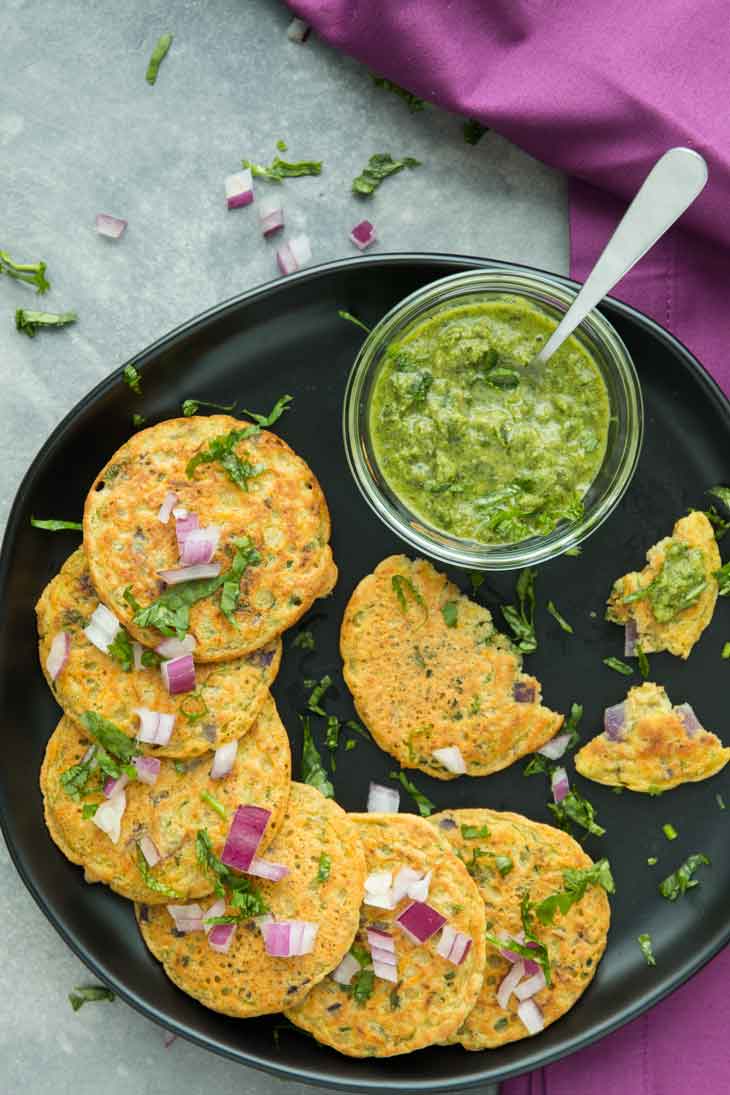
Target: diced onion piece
383,800
264,868
309,934
530,966
453,945
199,545
524,692
168,504
220,937
137,652
187,574
531,1016
298,31
107,225
385,971
451,758
293,254
187,918
185,522
420,921
689,720
383,940
155,727
148,850
175,648
108,816
509,983
379,882
380,900
381,955
532,985
58,654
218,908
614,719
180,512
111,786
363,234
239,189
287,938
178,674
346,970
223,760
555,748
559,784
271,215
148,769
102,628
402,882
418,891
244,836
631,635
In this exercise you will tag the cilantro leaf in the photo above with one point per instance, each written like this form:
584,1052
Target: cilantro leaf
244,896
361,986
561,619
149,879
75,779
473,131
353,319
132,379
720,524
723,578
402,585
379,167
521,620
138,420
324,868
32,273
474,832
450,613
644,942
332,736
213,802
109,737
157,57
618,666
577,809
192,406
30,322
121,650
313,771
574,551
677,884
318,692
56,526
723,493
424,804
280,169
572,724
503,864
304,640
221,450
412,101
476,580
281,405
577,881
643,661
89,994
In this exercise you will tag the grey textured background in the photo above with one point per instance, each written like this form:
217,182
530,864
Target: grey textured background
81,132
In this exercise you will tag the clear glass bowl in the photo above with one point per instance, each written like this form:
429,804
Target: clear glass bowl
625,434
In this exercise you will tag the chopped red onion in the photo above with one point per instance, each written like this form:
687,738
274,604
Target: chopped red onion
113,227
187,918
199,545
264,868
451,758
385,971
178,674
363,234
453,945
239,189
298,31
102,628
155,727
555,748
220,937
383,800
244,836
689,720
420,921
108,816
293,254
176,648
402,883
137,652
148,769
559,784
524,692
148,850
509,983
187,574
112,785
58,654
346,970
380,955
287,938
218,908
531,1016
271,215
631,635
614,719
223,760
185,522
383,940
168,505
532,985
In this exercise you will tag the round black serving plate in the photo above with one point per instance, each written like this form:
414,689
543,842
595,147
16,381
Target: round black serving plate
288,337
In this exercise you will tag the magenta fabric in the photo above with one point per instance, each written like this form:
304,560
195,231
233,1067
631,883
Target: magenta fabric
599,89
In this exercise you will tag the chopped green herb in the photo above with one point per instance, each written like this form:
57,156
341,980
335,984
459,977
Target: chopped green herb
474,832
726,650
356,728
325,866
723,493
281,146
32,273
317,694
313,771
132,379
305,641
109,736
279,169
30,322
473,131
643,661
120,649
89,994
644,942
353,319
150,659
402,585
652,861
192,406
574,552
75,779
425,806
720,801
332,736
138,420
723,579
572,724
56,526
521,620
89,809
618,666
575,808
379,167
263,420
669,831
350,744
221,450
503,864
561,619
719,524
476,580
149,879
213,803
157,57
361,986
450,613
577,881
677,884
412,101
537,953
244,896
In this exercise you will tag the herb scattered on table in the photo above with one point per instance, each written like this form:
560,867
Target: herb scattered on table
332,737
412,101
319,690
723,580
669,831
720,801
304,640
652,861
540,764
353,319
618,666
379,167
473,131
157,57
313,771
30,322
31,273
132,379
280,169
643,661
52,525
677,884
138,420
720,524
476,581
521,619
281,405
89,994
644,942
726,650
192,406
723,493
577,809
557,616
424,804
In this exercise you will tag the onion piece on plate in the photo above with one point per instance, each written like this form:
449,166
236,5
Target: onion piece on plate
223,760
631,635
58,654
176,648
108,816
102,628
689,720
420,921
178,674
287,938
148,850
614,719
148,769
346,970
187,918
244,837
220,937
168,504
264,868
451,759
155,727
383,800
531,1016
271,216
137,652
186,574
524,692
532,985
454,945
559,784
509,983
555,748
200,545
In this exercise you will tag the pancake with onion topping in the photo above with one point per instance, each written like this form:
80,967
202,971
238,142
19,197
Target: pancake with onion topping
430,996
509,857
268,512
429,672
319,846
223,707
169,813
668,604
651,746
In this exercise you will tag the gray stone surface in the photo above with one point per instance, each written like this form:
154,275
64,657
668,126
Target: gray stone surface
81,132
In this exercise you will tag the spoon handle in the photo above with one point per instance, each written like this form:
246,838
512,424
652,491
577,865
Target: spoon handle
671,186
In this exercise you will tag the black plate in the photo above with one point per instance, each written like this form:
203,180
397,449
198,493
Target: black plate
287,337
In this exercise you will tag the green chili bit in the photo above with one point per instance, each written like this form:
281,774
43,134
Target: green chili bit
425,806
652,861
89,994
412,101
521,620
313,771
669,831
192,406
132,379
643,661
324,868
379,167
618,666
402,585
56,526
280,169
32,273
726,650
561,619
503,864
213,802
30,322
353,319
194,707
723,579
644,942
677,884
158,55
332,737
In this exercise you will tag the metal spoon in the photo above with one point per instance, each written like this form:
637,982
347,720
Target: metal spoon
671,186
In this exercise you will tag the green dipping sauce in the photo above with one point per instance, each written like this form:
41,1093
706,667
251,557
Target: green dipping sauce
474,444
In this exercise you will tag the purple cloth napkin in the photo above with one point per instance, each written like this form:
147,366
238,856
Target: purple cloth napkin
599,89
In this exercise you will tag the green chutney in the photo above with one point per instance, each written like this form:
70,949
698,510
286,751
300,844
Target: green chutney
472,442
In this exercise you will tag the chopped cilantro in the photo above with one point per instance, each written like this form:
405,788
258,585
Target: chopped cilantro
402,585
30,322
561,619
644,942
318,692
425,806
138,420
522,620
726,650
720,801
474,832
723,493
281,146
577,881
350,744
643,661
361,986
89,994
332,736
158,55
719,524
473,131
476,581
324,868
412,101
450,613
313,771
669,831
263,420
503,864
213,802
120,649
75,779
89,809
536,953
575,808
353,319
574,552
132,379
652,861
221,450
356,728
149,879
244,896
304,640
618,666
109,736
192,406
677,884
379,167
150,659
280,169
56,526
32,273
723,579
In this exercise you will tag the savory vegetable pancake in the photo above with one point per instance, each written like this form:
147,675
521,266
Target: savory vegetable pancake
670,602
429,996
429,672
326,865
168,812
649,745
510,857
227,697
267,521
